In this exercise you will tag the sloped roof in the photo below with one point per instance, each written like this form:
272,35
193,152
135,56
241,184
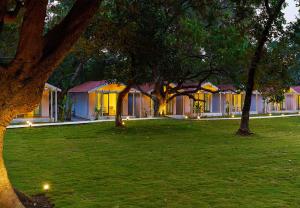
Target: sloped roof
88,86
52,87
296,88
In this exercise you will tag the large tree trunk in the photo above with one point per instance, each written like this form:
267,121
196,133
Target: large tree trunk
8,198
160,106
122,94
244,129
37,55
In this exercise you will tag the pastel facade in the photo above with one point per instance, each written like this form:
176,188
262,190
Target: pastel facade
46,111
98,99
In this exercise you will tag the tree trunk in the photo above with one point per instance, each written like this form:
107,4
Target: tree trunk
160,106
156,106
122,94
244,129
8,198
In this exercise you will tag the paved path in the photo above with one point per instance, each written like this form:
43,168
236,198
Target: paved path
252,117
72,123
138,119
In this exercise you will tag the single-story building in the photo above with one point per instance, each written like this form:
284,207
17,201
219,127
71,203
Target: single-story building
46,111
98,99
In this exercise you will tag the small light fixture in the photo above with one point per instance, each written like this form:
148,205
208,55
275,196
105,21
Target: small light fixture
123,123
232,116
282,114
270,114
198,117
127,118
186,117
29,123
46,187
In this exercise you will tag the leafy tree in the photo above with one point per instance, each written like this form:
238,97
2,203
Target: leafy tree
267,24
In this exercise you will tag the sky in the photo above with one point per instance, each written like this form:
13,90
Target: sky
291,11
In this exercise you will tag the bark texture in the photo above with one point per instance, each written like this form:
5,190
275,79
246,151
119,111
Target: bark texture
8,198
23,79
244,129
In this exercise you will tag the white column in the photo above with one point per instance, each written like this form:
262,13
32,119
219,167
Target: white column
256,103
220,104
55,105
211,103
133,104
182,105
51,105
141,105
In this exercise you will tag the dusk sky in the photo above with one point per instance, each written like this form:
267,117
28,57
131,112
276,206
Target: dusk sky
291,11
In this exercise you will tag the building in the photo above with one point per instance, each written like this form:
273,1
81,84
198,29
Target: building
98,100
47,110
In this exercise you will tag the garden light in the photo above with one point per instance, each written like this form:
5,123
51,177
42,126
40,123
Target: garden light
29,123
270,114
198,117
46,187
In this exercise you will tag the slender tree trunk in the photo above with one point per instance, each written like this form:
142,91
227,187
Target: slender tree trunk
8,198
122,94
244,125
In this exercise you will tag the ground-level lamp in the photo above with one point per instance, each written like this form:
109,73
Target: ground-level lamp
232,116
29,123
198,117
186,117
123,123
46,187
127,118
270,114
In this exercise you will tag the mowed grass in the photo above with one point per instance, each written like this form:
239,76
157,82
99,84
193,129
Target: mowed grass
160,164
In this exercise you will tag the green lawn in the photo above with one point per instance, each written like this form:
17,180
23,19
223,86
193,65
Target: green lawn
162,163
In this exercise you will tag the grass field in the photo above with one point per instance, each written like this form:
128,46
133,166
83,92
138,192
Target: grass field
160,164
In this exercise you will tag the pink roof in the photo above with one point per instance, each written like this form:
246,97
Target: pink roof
296,88
88,86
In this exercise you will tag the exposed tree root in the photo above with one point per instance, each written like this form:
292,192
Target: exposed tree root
36,201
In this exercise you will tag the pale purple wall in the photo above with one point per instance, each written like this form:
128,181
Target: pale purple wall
290,102
80,104
45,106
216,103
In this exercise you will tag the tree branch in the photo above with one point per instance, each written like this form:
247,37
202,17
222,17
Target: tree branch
61,38
11,16
268,9
31,35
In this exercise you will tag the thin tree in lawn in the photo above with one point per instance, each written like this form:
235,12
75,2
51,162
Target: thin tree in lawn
37,55
272,15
